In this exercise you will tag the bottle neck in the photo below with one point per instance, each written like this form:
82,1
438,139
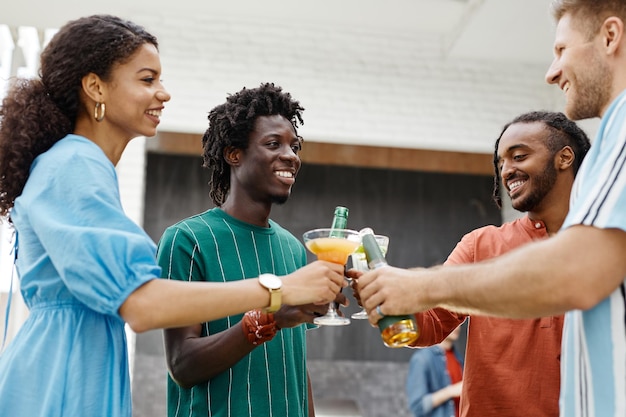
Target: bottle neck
340,218
373,253
339,222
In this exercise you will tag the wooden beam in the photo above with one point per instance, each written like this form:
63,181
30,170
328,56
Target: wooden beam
350,155
175,143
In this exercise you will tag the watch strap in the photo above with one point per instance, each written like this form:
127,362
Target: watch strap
275,300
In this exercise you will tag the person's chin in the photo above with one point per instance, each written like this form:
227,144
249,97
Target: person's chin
280,199
520,205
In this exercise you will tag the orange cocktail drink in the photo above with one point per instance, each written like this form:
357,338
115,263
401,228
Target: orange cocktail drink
332,245
332,249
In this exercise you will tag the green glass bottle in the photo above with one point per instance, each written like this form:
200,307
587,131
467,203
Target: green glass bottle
396,331
340,220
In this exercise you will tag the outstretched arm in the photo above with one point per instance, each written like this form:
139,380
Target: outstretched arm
162,303
576,269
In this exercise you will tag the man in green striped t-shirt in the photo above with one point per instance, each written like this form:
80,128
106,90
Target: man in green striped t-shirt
252,364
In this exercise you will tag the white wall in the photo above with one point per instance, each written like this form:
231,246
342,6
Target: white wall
357,86
359,83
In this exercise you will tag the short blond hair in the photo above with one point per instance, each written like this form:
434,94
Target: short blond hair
589,14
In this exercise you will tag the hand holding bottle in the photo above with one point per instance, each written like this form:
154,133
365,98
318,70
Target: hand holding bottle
395,290
395,330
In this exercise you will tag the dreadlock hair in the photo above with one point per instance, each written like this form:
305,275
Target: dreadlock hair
36,113
561,132
589,14
231,123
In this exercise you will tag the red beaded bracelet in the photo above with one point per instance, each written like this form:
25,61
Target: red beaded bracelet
259,327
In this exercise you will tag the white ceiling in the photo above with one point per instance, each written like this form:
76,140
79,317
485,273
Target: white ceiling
482,29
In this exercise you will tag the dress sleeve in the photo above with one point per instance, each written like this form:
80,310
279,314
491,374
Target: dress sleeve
101,255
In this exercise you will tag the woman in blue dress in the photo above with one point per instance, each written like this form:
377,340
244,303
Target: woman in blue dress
85,268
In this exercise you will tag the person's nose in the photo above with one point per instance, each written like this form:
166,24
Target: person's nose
163,95
290,156
506,170
554,73
288,153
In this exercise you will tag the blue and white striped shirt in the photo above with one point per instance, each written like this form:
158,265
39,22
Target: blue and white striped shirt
593,367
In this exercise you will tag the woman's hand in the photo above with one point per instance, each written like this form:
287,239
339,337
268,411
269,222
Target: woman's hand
318,282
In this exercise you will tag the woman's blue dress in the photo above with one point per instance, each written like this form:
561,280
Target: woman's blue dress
78,258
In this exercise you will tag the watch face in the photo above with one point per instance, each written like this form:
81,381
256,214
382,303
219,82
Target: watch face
270,281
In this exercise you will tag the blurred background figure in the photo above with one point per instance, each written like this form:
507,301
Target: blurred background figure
434,382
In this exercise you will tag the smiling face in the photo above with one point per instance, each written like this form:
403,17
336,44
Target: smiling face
580,70
526,165
134,95
266,170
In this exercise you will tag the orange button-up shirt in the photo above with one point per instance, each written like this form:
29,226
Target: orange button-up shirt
512,366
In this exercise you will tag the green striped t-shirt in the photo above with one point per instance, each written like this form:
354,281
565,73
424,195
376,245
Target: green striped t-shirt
271,380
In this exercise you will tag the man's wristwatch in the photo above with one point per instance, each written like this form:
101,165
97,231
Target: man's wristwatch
273,284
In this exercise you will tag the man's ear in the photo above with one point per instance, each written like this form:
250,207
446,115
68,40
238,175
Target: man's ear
232,155
565,158
612,32
93,87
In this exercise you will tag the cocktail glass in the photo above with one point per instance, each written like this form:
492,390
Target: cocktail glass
332,245
359,262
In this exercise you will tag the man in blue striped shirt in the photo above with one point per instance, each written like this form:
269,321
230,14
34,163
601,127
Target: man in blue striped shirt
582,269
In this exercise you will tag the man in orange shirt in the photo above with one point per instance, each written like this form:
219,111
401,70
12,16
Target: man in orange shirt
512,366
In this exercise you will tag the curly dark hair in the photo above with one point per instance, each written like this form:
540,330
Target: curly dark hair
36,113
231,123
561,132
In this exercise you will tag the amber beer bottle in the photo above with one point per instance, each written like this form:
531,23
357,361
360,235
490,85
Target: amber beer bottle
396,331
340,220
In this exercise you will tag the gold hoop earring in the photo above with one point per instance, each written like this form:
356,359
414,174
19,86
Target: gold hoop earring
99,111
